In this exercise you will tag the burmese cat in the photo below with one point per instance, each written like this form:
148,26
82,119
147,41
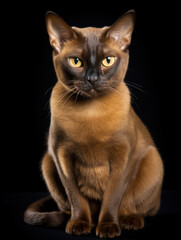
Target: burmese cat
102,167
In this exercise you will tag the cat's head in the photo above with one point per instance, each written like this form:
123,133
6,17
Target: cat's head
90,61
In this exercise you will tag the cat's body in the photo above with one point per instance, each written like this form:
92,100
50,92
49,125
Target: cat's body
102,166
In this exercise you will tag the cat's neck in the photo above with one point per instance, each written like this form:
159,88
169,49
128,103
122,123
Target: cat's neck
115,104
95,119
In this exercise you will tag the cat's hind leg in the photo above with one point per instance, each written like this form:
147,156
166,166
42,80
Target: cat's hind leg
44,212
142,197
54,183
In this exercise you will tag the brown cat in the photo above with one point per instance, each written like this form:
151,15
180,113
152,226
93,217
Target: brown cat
101,167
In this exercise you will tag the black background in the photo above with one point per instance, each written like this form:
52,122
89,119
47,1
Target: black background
29,78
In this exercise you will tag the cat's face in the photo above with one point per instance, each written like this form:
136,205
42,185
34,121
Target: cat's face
91,64
90,61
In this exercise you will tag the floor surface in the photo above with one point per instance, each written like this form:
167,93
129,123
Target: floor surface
167,223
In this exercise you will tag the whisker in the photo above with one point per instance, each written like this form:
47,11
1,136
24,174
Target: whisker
108,91
68,99
114,90
47,105
133,97
63,96
136,86
77,94
48,90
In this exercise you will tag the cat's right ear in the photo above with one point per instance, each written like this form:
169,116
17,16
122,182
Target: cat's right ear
58,30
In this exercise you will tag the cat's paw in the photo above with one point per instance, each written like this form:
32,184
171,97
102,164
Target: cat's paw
134,222
108,229
78,227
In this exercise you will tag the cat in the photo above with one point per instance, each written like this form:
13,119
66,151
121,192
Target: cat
102,167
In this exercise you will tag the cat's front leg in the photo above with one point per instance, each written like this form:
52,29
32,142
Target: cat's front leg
80,221
108,223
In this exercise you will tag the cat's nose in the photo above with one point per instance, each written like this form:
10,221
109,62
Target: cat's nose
92,78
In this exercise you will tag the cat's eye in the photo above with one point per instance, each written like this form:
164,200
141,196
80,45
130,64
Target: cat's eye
75,62
108,61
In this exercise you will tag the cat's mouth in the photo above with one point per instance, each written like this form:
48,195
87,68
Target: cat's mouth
90,93
82,90
85,91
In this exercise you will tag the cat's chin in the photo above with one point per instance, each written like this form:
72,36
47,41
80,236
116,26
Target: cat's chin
87,94
93,93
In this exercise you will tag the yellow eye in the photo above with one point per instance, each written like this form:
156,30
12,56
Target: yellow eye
108,61
75,62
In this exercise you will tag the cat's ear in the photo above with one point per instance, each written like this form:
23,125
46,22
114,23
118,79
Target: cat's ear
58,30
122,29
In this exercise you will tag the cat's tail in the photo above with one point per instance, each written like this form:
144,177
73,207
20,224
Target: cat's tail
40,213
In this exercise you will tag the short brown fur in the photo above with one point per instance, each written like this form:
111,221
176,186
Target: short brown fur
102,167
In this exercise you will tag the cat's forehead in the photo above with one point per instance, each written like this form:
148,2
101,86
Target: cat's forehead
91,36
90,32
93,39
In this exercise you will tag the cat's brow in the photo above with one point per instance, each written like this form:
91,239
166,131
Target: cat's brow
109,52
77,52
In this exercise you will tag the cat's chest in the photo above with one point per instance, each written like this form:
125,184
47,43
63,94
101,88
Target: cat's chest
84,131
92,170
84,126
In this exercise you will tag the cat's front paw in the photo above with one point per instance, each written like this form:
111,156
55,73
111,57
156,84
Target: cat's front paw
78,227
108,229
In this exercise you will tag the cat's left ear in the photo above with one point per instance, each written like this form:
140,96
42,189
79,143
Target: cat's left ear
122,29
